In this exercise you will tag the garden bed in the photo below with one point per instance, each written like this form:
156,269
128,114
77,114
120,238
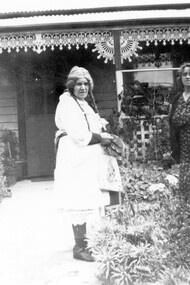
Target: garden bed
146,239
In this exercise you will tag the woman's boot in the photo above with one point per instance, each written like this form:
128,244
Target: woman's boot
80,250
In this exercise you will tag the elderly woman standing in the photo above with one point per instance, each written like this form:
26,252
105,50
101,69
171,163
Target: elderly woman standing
79,139
180,130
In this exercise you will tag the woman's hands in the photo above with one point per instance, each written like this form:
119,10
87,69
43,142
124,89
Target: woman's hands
106,138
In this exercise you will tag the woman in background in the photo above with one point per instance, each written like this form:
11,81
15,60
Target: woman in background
79,141
180,130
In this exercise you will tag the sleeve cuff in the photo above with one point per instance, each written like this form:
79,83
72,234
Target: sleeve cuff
96,138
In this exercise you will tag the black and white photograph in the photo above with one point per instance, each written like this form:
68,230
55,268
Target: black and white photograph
95,142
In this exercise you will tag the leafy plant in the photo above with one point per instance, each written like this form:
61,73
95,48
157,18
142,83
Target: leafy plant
3,188
157,147
147,237
10,151
175,276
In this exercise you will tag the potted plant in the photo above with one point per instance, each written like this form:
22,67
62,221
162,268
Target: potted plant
10,155
4,191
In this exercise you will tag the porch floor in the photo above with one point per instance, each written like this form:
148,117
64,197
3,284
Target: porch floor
36,242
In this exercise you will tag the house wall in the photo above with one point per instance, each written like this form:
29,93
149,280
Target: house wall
107,102
104,87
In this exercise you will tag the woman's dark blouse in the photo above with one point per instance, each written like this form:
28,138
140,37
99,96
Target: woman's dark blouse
181,122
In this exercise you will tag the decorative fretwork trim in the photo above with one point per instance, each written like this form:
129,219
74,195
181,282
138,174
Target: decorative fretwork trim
39,42
106,49
130,41
156,35
10,43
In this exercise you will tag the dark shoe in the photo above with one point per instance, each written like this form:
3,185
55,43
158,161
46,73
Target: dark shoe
80,250
82,254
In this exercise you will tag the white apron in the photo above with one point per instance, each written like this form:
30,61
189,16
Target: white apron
76,182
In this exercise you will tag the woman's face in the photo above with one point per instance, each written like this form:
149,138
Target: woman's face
186,76
81,88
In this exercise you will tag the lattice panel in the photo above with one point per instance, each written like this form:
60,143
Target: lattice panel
142,136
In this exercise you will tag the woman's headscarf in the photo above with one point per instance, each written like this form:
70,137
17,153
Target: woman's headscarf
77,72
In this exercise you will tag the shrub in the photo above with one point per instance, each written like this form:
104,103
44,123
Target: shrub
146,238
10,152
3,188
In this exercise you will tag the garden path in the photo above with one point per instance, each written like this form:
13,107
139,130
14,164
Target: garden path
36,242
